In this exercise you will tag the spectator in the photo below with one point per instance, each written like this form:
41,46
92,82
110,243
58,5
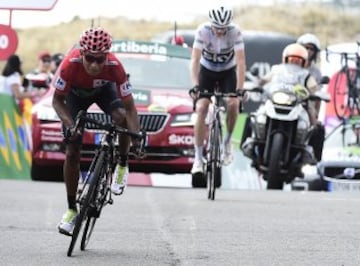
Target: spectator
13,80
40,78
13,85
178,40
56,60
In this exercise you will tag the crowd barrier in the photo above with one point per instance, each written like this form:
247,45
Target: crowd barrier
15,140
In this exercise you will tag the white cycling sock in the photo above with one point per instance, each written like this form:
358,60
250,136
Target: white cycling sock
199,152
227,138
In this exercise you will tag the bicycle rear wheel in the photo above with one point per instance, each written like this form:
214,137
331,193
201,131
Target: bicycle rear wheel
86,198
341,95
214,160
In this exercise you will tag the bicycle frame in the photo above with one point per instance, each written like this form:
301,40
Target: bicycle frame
95,192
214,147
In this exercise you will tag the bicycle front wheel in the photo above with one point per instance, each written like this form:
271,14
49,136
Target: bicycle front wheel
95,209
89,227
86,198
214,160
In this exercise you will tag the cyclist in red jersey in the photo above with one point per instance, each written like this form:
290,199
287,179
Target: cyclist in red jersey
87,75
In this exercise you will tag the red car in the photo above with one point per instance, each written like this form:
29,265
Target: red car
160,76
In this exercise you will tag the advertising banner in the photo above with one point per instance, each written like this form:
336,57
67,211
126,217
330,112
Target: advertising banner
15,153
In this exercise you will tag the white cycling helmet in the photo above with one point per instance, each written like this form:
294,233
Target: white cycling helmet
221,16
309,38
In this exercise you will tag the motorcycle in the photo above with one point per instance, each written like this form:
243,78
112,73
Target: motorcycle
281,130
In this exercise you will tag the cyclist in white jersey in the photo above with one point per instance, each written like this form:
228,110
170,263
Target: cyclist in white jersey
218,56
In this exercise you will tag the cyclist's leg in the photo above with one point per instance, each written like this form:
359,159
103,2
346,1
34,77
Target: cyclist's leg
71,166
228,84
111,104
206,82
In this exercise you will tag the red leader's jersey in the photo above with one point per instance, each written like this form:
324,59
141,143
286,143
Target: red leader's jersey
72,74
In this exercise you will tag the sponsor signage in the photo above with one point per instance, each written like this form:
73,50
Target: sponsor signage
152,48
8,41
141,97
175,139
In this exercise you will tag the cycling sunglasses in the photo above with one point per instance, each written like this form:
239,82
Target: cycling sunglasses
98,59
309,48
219,29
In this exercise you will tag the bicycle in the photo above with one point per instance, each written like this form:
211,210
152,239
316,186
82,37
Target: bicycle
346,92
95,192
214,146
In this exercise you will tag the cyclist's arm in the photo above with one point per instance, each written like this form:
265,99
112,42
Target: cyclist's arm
62,111
240,68
131,114
195,65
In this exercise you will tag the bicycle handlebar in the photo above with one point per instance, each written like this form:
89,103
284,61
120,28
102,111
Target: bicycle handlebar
239,93
81,119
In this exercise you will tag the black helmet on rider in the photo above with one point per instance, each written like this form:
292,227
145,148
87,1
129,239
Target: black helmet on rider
295,54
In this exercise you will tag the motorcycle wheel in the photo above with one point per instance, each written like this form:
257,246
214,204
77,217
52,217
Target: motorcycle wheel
274,180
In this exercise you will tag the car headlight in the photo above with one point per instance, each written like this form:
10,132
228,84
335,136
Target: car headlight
309,170
283,98
182,120
45,113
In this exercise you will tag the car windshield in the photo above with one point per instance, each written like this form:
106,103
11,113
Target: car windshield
343,137
157,71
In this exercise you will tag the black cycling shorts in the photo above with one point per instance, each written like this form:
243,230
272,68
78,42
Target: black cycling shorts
225,79
105,97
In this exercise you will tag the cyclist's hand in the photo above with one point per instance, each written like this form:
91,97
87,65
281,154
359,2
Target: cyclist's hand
71,132
194,92
244,95
137,148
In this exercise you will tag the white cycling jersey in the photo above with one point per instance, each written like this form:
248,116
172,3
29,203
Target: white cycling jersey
218,52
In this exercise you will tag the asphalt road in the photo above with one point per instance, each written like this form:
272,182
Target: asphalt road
180,226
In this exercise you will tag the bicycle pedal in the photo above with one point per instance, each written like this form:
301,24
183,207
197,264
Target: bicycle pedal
110,201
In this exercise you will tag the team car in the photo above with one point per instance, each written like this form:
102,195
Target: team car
339,169
160,77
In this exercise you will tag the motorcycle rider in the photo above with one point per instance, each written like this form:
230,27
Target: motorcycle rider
293,71
312,45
